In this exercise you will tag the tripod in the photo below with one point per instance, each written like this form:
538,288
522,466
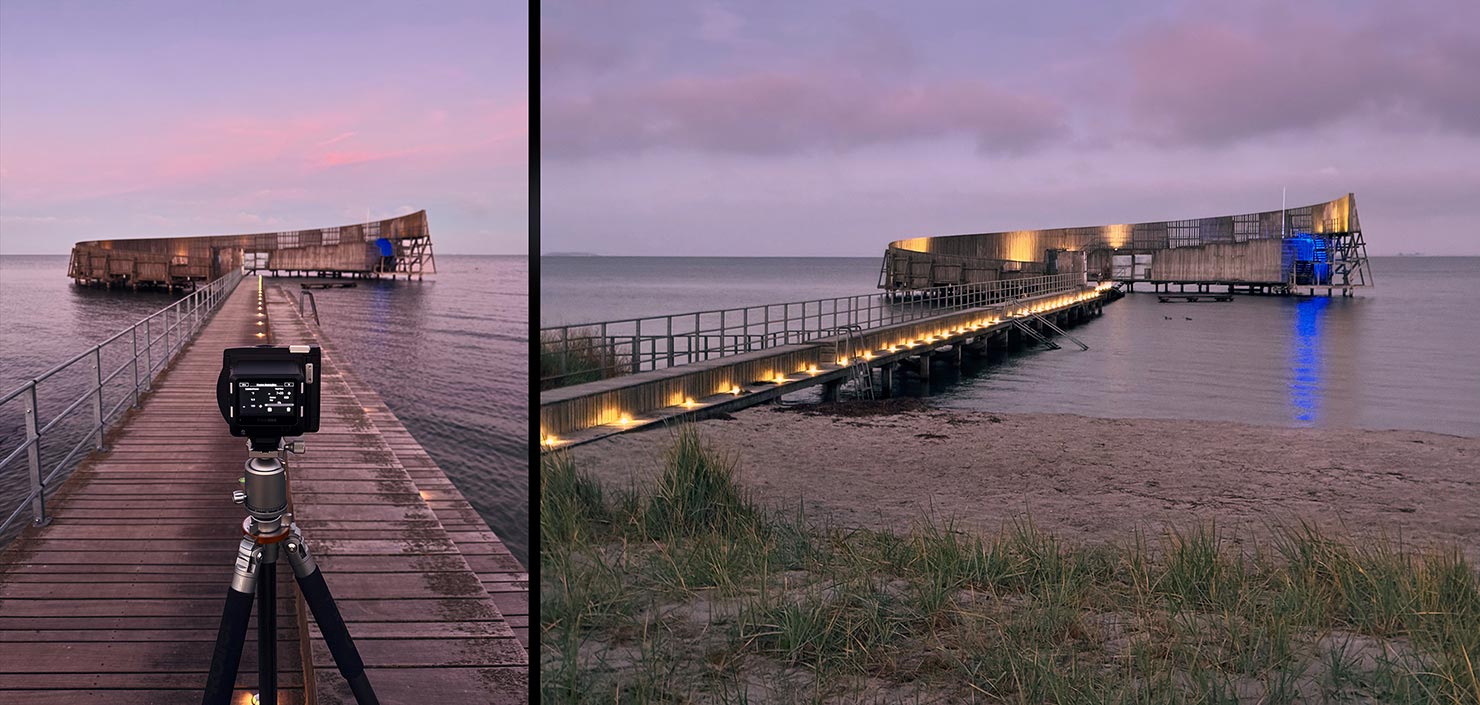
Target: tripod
266,499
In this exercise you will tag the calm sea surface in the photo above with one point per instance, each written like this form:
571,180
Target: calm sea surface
1405,354
449,356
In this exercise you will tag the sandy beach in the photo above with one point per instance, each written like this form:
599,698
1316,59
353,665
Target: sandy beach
888,466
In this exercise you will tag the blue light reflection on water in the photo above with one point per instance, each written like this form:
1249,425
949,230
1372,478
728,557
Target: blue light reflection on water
380,308
1307,388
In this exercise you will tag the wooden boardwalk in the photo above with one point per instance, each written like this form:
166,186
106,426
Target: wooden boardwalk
118,599
583,413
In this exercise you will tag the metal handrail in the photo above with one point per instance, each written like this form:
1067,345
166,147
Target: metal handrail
307,297
606,348
179,322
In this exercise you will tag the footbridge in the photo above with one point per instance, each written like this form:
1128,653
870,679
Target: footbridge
123,534
603,378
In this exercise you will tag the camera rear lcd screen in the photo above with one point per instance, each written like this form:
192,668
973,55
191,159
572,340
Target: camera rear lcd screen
271,399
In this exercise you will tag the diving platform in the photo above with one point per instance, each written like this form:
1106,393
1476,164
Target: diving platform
379,248
1301,250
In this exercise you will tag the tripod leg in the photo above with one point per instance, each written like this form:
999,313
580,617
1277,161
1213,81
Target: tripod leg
267,634
235,617
336,635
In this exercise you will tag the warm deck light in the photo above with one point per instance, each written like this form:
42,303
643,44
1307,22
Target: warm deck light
688,403
259,322
842,361
780,378
735,390
624,420
261,335
868,356
549,441
812,370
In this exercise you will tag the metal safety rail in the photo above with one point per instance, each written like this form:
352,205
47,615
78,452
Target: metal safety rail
585,352
149,345
307,298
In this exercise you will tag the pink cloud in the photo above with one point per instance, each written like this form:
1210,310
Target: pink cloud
333,159
337,138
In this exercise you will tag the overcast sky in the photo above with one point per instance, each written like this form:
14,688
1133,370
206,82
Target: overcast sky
146,118
828,128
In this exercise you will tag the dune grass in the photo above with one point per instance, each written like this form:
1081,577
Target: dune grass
582,356
688,592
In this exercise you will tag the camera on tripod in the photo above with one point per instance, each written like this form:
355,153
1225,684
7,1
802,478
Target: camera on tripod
268,392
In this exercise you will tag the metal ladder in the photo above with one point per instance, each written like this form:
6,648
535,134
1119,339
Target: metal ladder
861,373
1035,334
1059,331
1047,324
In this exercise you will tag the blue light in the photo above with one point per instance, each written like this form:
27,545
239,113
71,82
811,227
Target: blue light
1308,259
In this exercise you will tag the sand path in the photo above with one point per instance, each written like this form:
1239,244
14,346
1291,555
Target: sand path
1098,479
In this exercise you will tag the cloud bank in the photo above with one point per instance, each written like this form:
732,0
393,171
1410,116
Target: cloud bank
733,128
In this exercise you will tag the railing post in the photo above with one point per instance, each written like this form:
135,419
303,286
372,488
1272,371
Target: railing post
98,398
745,324
670,337
564,351
148,354
604,352
33,460
134,335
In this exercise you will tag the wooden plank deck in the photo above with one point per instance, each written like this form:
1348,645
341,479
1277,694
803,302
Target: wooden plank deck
97,608
119,598
426,623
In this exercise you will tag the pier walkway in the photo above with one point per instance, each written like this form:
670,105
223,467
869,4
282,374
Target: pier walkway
742,360
118,599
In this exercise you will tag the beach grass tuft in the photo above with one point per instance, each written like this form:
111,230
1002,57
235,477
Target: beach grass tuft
696,492
580,356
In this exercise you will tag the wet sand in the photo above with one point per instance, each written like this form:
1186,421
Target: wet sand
1088,478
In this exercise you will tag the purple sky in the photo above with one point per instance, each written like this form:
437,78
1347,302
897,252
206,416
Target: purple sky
781,128
190,118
